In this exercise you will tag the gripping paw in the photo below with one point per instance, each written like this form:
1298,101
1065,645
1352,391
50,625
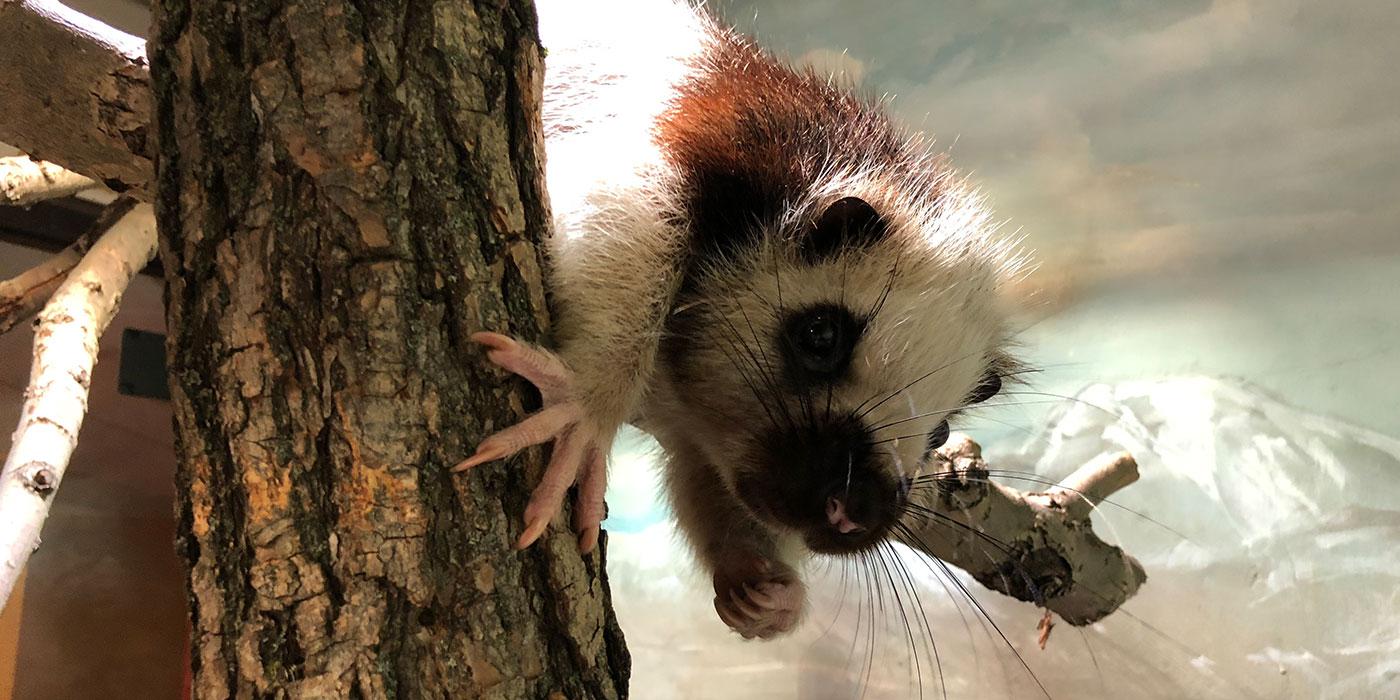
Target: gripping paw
762,599
579,453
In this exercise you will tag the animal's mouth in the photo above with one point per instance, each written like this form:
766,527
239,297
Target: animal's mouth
840,544
842,532
836,527
839,519
845,520
824,484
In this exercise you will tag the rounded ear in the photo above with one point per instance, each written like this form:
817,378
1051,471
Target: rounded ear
849,222
988,387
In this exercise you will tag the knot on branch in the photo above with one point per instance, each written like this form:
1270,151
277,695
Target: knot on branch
962,478
39,477
1032,572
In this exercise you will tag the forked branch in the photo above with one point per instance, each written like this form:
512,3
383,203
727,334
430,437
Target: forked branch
24,294
65,350
1036,547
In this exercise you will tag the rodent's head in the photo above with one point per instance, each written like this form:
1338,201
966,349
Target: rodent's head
840,302
819,363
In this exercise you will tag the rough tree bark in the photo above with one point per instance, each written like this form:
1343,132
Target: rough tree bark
345,191
88,81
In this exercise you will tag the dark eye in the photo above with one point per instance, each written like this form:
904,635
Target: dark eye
985,389
819,336
938,436
817,344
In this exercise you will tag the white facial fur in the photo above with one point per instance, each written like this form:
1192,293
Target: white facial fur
937,324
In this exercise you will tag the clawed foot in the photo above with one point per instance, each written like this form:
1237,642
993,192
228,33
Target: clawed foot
579,453
760,598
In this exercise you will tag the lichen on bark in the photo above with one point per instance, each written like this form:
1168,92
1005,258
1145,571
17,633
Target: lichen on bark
345,191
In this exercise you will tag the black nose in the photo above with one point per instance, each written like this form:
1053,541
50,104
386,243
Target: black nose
839,518
827,481
861,506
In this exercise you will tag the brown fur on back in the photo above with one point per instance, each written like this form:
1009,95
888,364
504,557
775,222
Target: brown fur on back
750,138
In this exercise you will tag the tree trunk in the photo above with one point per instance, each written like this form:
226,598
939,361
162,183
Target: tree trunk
345,191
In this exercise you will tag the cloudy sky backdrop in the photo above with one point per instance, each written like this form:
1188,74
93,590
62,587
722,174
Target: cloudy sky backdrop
1199,131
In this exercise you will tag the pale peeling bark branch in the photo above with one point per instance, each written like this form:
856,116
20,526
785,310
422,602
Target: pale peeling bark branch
65,350
25,181
23,295
1089,485
1036,547
76,92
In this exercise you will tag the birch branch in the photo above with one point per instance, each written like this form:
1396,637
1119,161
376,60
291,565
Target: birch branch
65,350
25,181
76,92
23,295
1036,547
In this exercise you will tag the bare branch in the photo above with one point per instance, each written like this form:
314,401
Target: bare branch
23,295
65,350
25,181
1036,547
1090,484
76,92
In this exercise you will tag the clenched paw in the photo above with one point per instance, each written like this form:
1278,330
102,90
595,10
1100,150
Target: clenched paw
579,453
764,600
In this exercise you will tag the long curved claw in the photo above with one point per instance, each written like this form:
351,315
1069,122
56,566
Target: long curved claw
548,496
543,426
577,457
589,510
542,368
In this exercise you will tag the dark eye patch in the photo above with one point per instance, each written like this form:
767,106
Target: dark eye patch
849,222
816,344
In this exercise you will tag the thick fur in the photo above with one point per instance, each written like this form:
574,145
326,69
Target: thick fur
686,170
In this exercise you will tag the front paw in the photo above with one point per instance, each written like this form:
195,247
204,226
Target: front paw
580,447
760,598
